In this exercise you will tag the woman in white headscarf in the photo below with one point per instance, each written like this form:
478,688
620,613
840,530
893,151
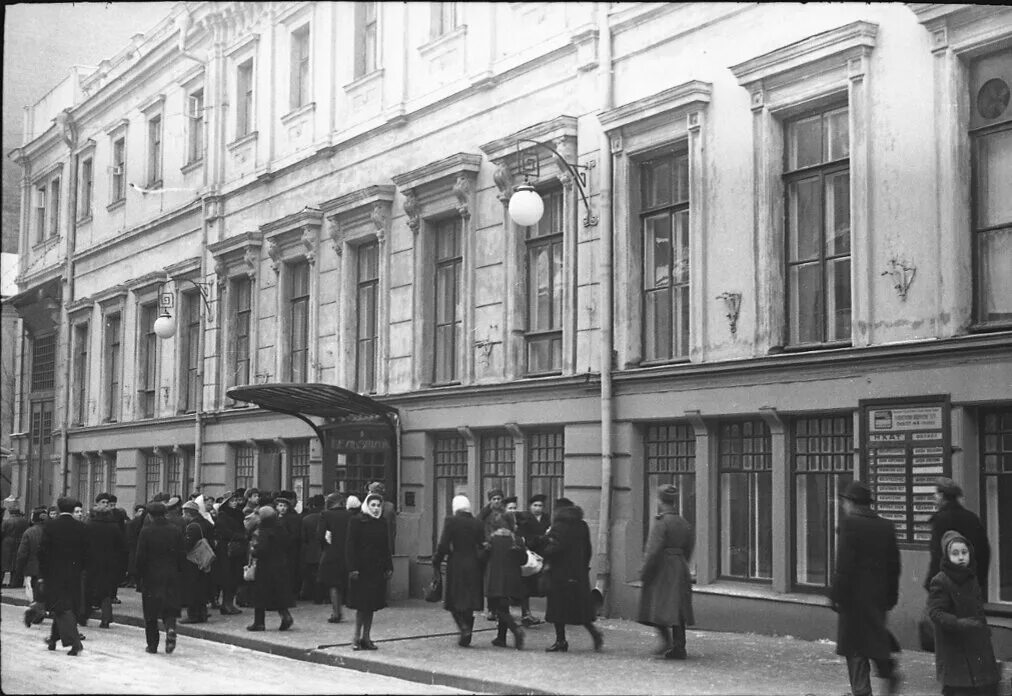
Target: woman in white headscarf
461,544
370,565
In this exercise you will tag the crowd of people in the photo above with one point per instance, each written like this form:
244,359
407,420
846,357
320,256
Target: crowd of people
247,549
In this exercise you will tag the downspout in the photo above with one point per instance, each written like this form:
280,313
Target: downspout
70,138
604,202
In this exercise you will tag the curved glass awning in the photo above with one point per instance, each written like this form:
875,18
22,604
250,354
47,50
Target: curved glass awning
315,399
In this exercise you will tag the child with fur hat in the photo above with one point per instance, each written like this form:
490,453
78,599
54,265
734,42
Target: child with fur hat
964,658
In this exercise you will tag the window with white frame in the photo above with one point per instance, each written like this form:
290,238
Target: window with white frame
367,309
80,393
445,18
245,466
155,150
545,281
53,212
189,347
81,462
147,360
241,305
449,301
670,458
995,428
822,461
195,126
152,475
43,362
244,99
117,188
298,320
41,195
449,472
497,463
87,186
817,190
366,46
745,466
991,151
111,362
299,89
546,450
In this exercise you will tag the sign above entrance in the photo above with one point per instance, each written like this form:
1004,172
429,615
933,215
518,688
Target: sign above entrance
357,437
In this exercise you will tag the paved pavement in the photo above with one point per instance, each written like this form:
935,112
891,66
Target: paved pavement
417,641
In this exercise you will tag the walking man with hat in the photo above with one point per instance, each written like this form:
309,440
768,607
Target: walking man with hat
865,587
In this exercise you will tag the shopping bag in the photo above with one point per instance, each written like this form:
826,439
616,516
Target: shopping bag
434,592
249,571
201,555
533,565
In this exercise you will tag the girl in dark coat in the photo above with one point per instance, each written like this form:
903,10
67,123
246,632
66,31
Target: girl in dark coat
666,597
964,657
332,532
272,590
502,579
461,545
370,565
106,562
160,559
231,552
566,546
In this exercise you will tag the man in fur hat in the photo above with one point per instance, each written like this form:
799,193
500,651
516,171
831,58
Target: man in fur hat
865,587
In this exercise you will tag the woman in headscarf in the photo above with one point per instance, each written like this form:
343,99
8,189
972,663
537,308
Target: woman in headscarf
666,596
503,581
231,551
566,546
272,589
370,565
460,544
332,533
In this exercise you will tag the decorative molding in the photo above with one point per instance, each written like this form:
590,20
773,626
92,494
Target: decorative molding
79,308
502,175
155,102
310,240
275,255
688,96
412,209
367,207
147,282
435,171
462,190
187,268
506,146
111,298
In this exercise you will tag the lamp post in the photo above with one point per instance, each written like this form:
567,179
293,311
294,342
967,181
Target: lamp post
525,206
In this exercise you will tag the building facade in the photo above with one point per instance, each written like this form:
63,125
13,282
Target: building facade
769,262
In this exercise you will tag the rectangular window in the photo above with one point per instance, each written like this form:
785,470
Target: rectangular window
87,177
822,459
82,478
118,187
664,224
241,294
195,126
245,461
244,99
112,367
174,474
155,151
43,362
448,299
111,458
147,361
299,453
80,373
449,458
299,92
670,452
152,476
367,329
996,455
40,213
97,481
817,183
365,37
53,212
991,147
444,18
546,464
190,347
498,464
746,500
298,321
544,288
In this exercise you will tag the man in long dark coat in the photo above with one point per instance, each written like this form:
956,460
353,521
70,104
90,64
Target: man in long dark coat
951,515
107,560
332,533
232,549
292,523
63,556
865,587
160,559
195,581
311,550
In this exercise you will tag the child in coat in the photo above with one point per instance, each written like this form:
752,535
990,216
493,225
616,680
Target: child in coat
964,658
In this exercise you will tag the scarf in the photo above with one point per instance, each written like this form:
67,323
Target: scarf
365,506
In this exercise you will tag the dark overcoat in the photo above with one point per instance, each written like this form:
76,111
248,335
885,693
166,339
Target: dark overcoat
272,588
108,555
160,560
311,548
27,563
368,552
132,531
460,544
532,528
232,548
953,516
964,656
666,595
866,584
566,547
502,574
292,522
63,556
333,559
13,528
196,583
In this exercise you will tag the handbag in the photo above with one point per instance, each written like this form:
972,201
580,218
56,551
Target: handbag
926,633
249,571
434,592
201,555
533,565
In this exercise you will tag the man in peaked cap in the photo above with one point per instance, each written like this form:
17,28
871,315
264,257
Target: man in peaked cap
863,592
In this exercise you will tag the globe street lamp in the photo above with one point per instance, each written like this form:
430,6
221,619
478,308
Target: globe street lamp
525,206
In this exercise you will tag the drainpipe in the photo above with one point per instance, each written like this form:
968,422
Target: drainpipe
605,82
70,138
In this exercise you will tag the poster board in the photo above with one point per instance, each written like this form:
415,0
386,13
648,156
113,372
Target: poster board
905,448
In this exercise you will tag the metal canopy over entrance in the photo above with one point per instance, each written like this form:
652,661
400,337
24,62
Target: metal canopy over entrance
359,441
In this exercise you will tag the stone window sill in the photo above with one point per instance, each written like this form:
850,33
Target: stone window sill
295,114
242,140
118,203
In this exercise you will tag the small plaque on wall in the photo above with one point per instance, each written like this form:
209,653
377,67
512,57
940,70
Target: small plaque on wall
905,448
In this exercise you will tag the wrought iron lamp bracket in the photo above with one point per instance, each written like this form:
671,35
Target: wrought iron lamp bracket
531,167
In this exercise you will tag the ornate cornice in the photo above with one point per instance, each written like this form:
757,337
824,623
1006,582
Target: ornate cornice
687,96
558,127
435,171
